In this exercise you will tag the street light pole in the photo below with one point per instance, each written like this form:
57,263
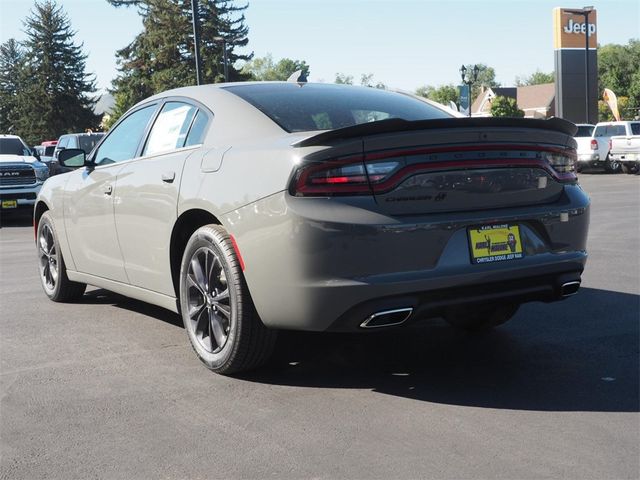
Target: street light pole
225,58
469,77
196,39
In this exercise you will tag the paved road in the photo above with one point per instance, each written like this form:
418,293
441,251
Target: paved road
111,389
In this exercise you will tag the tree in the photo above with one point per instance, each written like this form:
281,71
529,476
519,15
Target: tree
619,70
486,78
505,107
11,77
343,79
265,69
366,80
161,57
54,97
536,78
442,94
606,115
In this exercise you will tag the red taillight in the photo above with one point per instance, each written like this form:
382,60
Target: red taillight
379,172
594,144
348,176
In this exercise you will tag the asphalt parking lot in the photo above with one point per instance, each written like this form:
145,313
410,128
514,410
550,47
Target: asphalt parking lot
110,388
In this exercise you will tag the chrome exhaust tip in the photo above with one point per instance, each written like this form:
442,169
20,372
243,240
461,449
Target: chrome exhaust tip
569,288
387,318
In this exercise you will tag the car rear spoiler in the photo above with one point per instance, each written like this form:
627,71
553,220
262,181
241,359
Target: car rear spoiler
399,125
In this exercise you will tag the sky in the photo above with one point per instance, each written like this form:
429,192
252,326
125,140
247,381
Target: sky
403,43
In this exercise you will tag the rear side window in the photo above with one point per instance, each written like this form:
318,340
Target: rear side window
87,142
609,130
170,129
584,131
123,141
635,129
198,129
322,106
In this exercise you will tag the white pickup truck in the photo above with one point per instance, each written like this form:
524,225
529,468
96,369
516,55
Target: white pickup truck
598,156
625,149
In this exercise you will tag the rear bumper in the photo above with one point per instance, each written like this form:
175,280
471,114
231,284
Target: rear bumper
327,264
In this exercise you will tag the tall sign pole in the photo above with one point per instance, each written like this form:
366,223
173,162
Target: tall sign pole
196,40
586,62
575,56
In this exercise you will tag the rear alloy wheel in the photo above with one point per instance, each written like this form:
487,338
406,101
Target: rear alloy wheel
53,272
220,319
480,317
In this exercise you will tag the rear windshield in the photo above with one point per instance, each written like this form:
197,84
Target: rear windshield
326,107
584,131
48,151
13,146
609,130
87,142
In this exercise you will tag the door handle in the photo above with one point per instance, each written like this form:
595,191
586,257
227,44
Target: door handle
108,189
168,177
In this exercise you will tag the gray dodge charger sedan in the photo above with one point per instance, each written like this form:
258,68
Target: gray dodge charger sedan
253,207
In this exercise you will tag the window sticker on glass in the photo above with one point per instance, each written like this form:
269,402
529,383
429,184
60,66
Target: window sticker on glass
170,128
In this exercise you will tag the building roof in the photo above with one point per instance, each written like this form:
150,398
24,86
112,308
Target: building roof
530,97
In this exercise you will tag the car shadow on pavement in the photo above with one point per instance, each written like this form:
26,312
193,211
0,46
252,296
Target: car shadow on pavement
99,296
16,218
578,355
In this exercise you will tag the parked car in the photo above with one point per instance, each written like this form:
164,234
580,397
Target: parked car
83,141
599,157
253,207
21,174
45,150
625,148
586,145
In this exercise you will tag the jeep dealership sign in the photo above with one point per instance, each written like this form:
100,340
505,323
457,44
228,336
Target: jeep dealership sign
569,36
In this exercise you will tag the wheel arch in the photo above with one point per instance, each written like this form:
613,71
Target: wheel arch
187,223
38,211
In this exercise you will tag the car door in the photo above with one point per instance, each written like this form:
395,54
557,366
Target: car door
90,193
147,192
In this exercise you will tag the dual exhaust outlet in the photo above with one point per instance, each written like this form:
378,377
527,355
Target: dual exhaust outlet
391,318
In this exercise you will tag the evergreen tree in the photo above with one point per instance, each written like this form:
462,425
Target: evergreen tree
11,75
54,97
162,56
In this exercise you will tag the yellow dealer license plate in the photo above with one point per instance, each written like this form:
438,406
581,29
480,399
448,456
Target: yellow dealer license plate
9,204
495,243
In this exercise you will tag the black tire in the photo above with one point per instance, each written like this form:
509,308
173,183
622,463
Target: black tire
221,321
631,168
53,271
481,317
612,166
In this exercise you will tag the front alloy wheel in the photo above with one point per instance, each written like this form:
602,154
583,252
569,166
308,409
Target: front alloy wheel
220,319
53,272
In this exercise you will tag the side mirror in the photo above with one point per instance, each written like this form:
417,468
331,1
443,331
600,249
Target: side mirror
72,157
35,154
